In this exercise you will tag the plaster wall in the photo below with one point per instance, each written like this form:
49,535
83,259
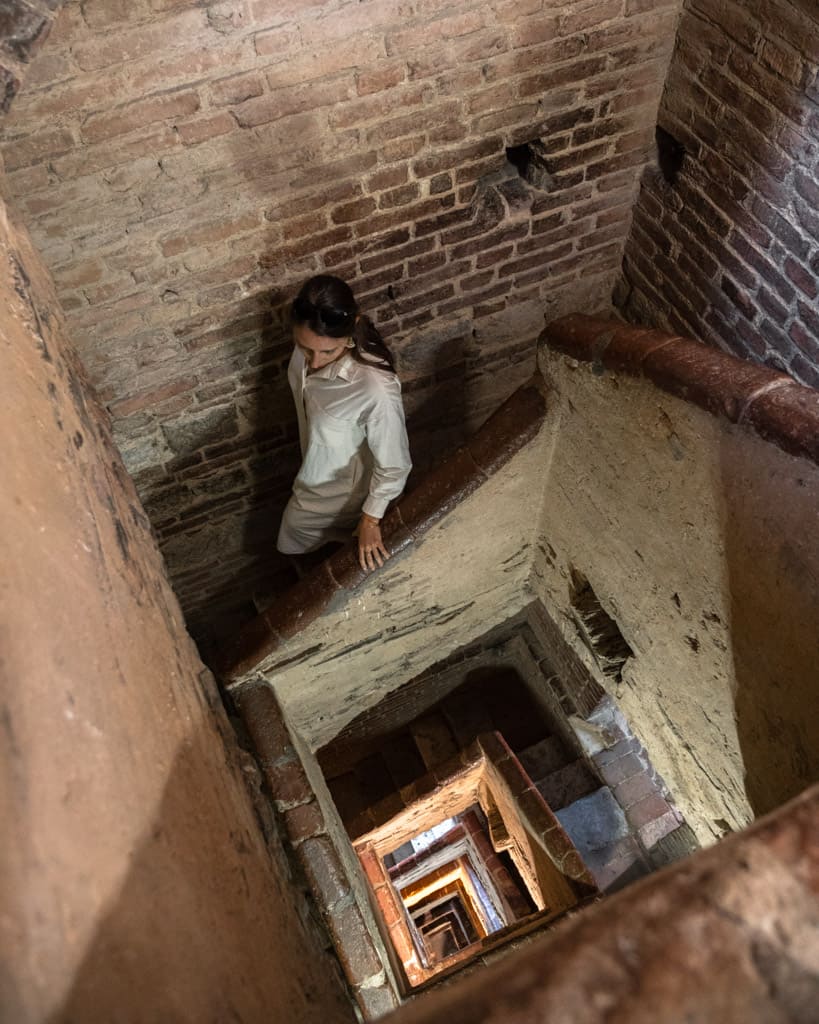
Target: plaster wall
700,540
137,883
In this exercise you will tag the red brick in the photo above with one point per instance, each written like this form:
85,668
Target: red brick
315,243
292,207
412,123
475,281
300,227
388,177
353,944
304,822
399,44
650,808
307,65
34,148
393,256
403,215
446,161
540,260
399,196
277,42
451,131
402,149
124,46
336,170
283,103
288,784
121,121
87,161
425,301
356,210
380,78
264,12
379,106
194,132
207,234
802,278
440,183
514,10
376,1002
324,871
77,274
528,34
146,399
389,275
426,263
505,119
493,257
498,96
236,89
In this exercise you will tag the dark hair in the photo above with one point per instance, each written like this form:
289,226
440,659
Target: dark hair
327,306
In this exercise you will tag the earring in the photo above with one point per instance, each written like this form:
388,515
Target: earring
349,343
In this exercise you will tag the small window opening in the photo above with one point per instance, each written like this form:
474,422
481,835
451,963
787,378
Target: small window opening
599,630
529,159
670,155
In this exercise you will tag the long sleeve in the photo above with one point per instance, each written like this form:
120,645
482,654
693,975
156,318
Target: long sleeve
387,440
295,378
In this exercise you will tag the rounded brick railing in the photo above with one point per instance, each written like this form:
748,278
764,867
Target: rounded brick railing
768,401
508,430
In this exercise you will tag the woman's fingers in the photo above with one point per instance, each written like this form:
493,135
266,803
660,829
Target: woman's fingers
372,556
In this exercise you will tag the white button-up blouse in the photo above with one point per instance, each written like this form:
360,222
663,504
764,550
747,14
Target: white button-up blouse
353,437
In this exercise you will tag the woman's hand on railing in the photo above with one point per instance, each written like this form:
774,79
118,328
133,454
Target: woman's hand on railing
371,551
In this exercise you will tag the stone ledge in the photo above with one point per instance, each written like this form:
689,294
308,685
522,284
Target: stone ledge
504,434
777,408
314,849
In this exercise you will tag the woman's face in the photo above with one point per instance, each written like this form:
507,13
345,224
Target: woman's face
318,350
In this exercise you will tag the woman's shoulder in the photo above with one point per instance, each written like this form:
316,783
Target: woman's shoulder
376,381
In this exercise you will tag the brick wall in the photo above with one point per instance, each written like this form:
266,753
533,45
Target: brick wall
180,163
730,252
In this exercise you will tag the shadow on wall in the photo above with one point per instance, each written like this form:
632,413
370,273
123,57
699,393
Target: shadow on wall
188,937
437,424
770,523
222,552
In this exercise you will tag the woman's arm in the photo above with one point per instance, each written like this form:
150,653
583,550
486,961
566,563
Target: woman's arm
387,440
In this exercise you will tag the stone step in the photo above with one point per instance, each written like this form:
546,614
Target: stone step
433,738
545,757
597,826
568,784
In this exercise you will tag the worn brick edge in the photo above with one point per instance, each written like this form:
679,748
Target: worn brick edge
309,838
771,403
504,434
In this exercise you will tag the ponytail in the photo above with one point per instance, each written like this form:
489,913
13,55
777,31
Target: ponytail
370,348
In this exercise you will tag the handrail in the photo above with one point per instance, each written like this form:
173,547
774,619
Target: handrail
768,401
508,430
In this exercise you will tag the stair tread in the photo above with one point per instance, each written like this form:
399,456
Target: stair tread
542,758
567,784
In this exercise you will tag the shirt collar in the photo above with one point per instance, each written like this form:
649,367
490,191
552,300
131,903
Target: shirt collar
344,367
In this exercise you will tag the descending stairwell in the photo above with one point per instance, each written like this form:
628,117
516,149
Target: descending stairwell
381,737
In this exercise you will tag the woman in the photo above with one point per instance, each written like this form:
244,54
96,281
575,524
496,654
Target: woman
355,455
